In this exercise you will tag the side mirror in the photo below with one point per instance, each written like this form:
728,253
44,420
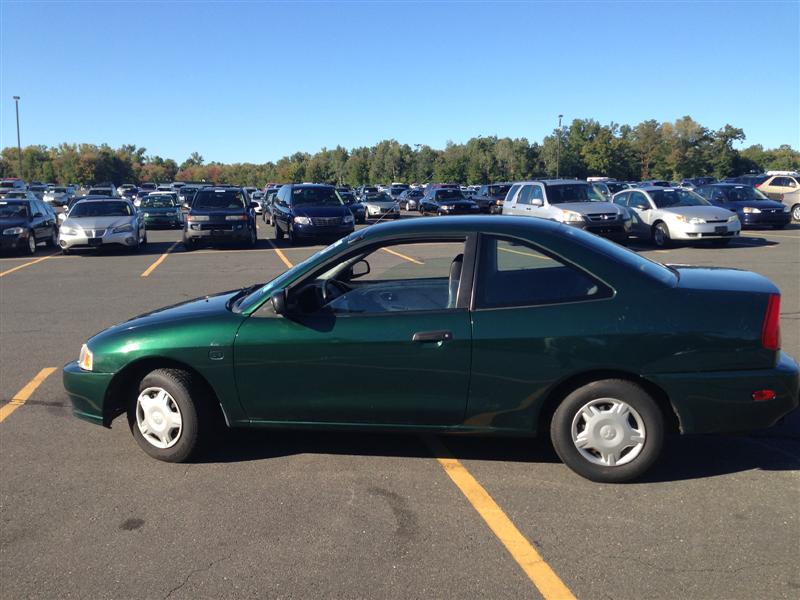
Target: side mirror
62,217
359,269
536,202
185,206
279,302
37,215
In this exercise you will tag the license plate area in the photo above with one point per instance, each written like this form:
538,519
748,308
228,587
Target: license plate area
721,229
95,241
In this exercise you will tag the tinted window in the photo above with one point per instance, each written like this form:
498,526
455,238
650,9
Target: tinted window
741,193
499,191
561,194
158,202
101,209
525,195
669,198
318,196
638,200
621,199
449,194
219,199
512,273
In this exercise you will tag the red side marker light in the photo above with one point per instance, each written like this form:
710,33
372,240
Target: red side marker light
763,395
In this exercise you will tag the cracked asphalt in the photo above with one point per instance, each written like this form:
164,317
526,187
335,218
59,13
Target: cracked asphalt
273,514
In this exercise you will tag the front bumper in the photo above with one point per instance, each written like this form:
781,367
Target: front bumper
382,212
722,402
765,219
87,393
615,230
460,210
14,242
704,231
322,232
230,232
81,240
170,221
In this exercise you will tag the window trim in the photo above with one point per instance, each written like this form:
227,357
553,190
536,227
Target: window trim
473,307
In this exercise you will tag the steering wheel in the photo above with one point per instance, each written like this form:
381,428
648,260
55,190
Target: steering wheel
332,289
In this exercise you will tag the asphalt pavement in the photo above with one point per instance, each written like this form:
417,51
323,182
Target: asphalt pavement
86,514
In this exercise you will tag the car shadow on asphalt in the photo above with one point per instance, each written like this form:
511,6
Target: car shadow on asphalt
683,457
640,245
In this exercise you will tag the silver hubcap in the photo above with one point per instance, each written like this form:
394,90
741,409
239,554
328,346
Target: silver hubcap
608,432
32,243
796,213
660,237
158,417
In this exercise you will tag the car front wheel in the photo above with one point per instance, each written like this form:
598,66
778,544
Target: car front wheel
609,431
163,416
796,212
661,235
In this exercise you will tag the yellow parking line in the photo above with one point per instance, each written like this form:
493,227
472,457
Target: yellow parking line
538,571
27,264
281,255
403,256
158,261
21,397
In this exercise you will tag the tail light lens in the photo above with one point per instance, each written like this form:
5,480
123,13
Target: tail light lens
771,331
758,185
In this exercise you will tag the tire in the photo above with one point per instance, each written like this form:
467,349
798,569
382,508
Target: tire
251,243
796,212
53,241
604,400
167,417
189,245
661,235
30,248
65,252
278,231
291,236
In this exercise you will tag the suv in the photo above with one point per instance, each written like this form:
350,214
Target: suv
571,202
310,211
220,215
490,197
103,190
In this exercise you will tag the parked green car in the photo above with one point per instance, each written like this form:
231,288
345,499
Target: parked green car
161,210
486,325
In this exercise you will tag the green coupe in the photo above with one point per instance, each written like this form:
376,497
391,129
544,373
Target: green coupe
486,325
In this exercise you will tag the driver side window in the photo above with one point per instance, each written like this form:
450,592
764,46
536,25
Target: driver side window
399,278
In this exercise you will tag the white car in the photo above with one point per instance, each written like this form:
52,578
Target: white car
664,215
380,204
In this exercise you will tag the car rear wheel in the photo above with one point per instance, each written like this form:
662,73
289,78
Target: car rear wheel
661,235
608,431
164,417
52,241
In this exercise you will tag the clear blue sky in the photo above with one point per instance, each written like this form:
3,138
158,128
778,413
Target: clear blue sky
255,81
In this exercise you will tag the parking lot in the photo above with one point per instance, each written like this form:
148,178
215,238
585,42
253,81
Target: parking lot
86,514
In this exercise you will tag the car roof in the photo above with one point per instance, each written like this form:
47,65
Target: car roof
319,185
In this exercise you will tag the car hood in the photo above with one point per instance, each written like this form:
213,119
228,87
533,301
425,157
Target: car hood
97,222
703,212
9,223
320,211
197,308
590,208
770,204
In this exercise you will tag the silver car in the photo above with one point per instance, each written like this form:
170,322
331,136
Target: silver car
380,204
664,214
59,195
569,201
102,222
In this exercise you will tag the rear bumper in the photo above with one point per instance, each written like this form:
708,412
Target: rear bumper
721,402
86,391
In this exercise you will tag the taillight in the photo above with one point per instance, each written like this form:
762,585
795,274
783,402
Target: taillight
758,185
771,331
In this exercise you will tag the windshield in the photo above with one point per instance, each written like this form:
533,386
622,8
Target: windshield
218,200
742,193
13,210
449,194
398,189
378,197
561,194
101,209
158,202
615,187
498,191
59,190
317,196
347,197
14,194
669,198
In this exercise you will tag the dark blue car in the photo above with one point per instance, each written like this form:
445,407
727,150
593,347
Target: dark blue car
753,208
311,211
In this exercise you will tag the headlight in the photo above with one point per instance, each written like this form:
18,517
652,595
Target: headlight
570,216
67,230
696,221
13,231
733,219
122,228
236,218
197,218
302,220
145,214
751,209
347,219
448,207
86,359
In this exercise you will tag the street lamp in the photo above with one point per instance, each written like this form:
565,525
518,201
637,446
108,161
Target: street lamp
558,146
19,146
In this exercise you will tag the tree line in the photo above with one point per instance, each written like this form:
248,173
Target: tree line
668,150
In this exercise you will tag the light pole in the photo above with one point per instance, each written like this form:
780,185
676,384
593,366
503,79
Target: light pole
19,146
558,146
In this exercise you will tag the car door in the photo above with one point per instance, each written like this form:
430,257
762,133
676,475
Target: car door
393,350
641,214
40,220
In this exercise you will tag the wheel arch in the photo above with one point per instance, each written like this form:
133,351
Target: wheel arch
565,387
118,392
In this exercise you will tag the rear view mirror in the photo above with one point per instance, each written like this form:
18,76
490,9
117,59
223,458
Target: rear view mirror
279,302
